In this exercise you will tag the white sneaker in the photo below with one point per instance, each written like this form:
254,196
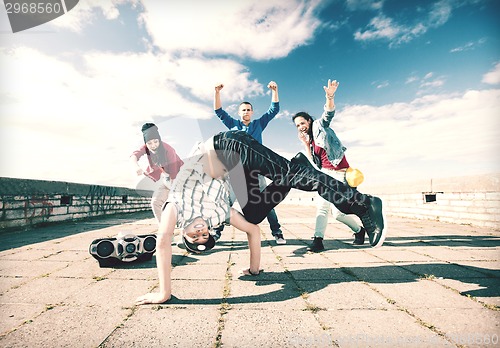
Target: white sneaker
280,239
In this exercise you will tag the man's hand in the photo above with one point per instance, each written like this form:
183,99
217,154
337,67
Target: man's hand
152,297
219,87
272,86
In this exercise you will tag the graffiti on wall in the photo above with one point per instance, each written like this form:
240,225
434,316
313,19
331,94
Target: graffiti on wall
38,207
98,198
3,211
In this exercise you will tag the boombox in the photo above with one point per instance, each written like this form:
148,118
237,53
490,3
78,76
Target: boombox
123,248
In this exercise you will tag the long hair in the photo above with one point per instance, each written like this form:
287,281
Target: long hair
150,131
307,117
160,158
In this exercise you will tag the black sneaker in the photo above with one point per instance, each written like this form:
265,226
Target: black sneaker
359,237
316,245
373,222
280,239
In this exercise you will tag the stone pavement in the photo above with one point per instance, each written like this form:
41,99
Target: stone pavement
432,284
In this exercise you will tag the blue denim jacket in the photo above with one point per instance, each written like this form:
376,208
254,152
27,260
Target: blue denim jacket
326,138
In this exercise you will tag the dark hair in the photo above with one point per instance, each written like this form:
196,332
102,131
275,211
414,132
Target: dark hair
245,102
199,248
150,131
306,116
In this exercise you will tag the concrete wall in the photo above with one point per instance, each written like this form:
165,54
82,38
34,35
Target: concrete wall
473,200
28,203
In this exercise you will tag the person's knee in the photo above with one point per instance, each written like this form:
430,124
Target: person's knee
339,216
322,209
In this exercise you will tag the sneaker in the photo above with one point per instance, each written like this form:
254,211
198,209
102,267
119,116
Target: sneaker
373,222
359,237
280,239
316,245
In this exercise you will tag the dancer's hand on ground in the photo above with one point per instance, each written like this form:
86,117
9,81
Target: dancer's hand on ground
152,297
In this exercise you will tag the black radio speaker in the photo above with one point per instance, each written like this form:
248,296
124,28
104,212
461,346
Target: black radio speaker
123,248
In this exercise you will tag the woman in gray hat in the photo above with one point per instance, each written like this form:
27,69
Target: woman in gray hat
163,165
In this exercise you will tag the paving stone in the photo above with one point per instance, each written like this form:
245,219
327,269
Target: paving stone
291,328
167,326
343,295
378,328
66,326
430,285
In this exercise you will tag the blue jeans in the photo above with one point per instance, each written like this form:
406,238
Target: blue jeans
237,147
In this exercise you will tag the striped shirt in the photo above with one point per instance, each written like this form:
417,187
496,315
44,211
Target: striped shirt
196,194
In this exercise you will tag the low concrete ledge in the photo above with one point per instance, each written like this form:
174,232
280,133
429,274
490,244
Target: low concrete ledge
471,200
27,203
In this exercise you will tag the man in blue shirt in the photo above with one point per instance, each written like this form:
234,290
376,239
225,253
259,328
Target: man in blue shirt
255,129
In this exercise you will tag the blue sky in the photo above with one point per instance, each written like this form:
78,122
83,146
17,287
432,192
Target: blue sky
419,94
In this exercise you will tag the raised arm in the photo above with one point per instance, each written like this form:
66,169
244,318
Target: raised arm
163,258
330,90
274,108
228,121
217,102
329,109
273,86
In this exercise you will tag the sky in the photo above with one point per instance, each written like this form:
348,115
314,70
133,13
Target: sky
419,93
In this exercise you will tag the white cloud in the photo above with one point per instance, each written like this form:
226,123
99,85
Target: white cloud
466,47
492,77
440,12
411,79
75,109
84,111
259,30
433,84
384,28
380,27
383,84
355,5
436,135
85,12
427,83
471,45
